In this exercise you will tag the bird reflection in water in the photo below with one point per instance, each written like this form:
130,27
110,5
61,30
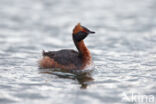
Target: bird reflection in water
84,78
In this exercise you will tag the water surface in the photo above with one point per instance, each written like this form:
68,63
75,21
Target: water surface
123,50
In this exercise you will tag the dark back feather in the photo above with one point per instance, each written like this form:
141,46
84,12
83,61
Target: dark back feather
65,57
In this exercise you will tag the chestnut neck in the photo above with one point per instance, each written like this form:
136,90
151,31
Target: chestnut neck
82,49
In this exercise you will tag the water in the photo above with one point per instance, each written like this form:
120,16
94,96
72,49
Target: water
123,50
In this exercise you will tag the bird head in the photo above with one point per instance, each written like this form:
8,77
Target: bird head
81,32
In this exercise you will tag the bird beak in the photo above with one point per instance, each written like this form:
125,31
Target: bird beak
91,32
87,30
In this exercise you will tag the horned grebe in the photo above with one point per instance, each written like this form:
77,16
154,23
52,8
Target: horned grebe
68,59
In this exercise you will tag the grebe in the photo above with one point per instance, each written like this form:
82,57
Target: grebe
68,59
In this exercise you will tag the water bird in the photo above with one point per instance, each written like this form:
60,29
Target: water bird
69,59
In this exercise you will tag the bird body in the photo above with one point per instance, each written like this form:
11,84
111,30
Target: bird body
69,59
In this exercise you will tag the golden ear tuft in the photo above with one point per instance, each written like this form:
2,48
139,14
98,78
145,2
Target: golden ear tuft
78,24
77,28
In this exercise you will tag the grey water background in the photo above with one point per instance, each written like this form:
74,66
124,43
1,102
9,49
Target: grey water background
123,50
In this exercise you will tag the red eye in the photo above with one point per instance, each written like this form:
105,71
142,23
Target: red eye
84,30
